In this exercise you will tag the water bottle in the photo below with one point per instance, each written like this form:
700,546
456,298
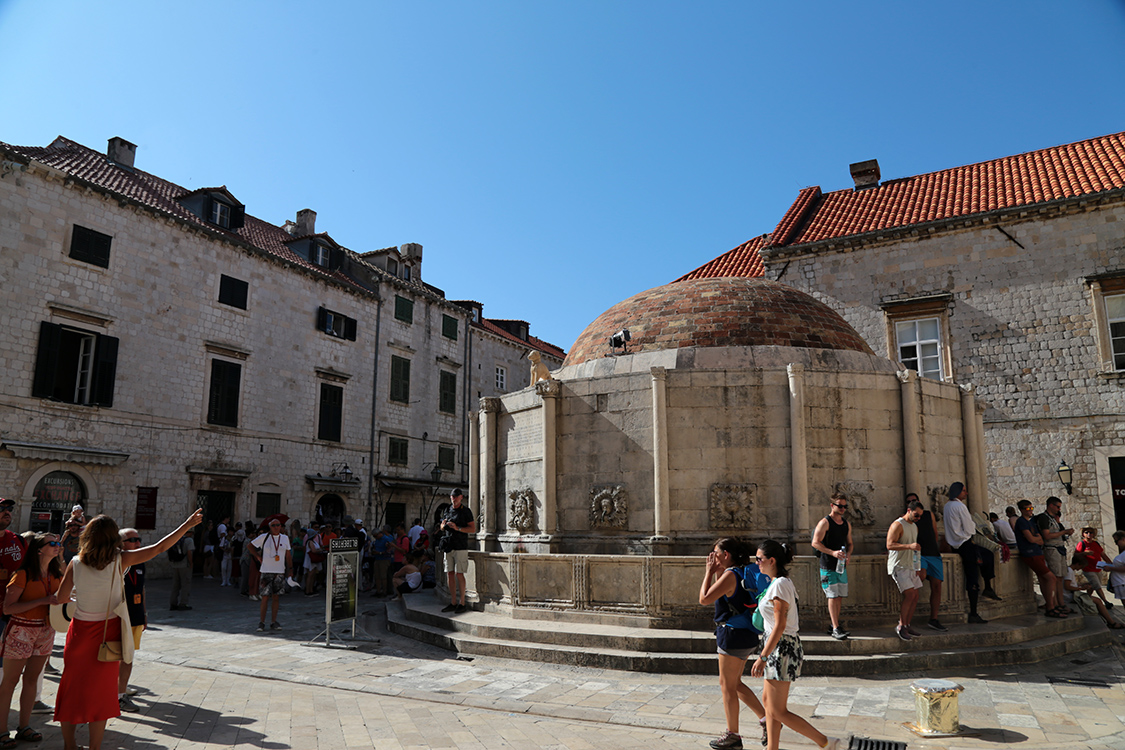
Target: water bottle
917,560
840,564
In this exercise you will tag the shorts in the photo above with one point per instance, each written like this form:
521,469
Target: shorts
736,642
906,580
1056,561
310,565
933,566
784,662
404,588
834,585
24,639
457,561
1037,564
137,630
1093,578
271,584
1119,592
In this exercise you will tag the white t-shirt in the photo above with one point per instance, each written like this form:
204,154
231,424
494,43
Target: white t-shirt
1005,531
1117,580
273,552
1068,595
780,588
414,533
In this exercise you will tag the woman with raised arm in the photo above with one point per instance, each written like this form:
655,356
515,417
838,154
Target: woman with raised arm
88,690
782,655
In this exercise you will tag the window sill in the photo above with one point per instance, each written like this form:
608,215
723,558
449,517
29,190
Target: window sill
1112,375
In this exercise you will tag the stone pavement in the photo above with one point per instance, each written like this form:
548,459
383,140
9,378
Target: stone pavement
208,680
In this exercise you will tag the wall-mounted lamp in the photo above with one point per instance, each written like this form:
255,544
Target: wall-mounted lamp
1065,475
340,469
620,340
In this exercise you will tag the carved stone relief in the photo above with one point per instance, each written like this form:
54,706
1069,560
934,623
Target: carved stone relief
861,510
521,510
731,505
608,507
938,494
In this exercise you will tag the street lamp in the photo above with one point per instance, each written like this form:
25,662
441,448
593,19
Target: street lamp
340,468
1065,475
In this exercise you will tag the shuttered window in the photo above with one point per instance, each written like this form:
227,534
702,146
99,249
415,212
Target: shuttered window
222,405
400,380
331,412
447,392
75,366
89,246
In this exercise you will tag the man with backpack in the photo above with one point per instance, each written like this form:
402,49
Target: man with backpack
179,555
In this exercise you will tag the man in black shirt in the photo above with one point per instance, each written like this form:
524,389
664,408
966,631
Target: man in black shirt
138,617
832,538
457,523
933,568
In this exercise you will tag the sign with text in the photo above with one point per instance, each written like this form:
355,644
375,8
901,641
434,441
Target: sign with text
146,508
343,584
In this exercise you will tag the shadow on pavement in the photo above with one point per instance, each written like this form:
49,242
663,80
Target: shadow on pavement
193,724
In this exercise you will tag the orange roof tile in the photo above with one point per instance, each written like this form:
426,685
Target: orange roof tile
743,260
1084,168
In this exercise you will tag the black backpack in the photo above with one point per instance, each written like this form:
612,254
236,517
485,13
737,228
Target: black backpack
176,551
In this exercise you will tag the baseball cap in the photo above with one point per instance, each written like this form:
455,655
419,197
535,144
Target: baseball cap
457,493
6,503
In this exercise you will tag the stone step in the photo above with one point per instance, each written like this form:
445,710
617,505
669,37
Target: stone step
1014,640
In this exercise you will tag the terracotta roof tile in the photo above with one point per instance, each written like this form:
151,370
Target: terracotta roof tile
532,342
1068,171
744,260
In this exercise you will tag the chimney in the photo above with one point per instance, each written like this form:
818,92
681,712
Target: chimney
411,251
866,174
306,222
121,152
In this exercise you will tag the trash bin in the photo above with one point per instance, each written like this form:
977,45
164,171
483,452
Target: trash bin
936,702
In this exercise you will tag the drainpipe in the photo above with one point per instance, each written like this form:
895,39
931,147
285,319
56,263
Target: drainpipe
374,411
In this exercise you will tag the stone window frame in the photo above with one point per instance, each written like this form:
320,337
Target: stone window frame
329,412
1103,287
400,380
233,292
90,246
398,451
447,392
916,309
404,309
501,378
449,326
447,458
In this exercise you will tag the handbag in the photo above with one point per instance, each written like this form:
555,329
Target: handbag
121,650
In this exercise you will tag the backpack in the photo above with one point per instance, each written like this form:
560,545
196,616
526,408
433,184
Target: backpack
176,551
754,583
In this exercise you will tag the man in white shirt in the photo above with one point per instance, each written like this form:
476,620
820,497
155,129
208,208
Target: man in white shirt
276,563
415,532
959,530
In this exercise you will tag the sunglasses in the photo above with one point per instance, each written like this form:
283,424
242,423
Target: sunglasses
838,505
54,544
759,558
136,539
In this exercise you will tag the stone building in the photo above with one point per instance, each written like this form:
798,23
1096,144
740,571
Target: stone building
165,348
1006,276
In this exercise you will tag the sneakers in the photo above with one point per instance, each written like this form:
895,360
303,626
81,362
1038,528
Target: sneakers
261,627
255,598
451,607
126,704
913,633
765,734
727,741
935,625
461,609
833,744
839,634
42,708
903,633
275,625
131,690
991,594
976,619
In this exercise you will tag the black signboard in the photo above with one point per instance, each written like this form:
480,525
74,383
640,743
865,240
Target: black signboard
146,508
343,584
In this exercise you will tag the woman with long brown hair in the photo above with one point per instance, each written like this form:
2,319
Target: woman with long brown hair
28,638
88,690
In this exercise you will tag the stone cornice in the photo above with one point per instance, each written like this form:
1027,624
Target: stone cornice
68,453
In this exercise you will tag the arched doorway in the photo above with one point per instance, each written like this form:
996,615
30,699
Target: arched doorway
330,508
52,499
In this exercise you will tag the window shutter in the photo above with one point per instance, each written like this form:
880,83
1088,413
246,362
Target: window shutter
349,329
105,370
335,259
208,207
237,217
331,412
47,360
322,319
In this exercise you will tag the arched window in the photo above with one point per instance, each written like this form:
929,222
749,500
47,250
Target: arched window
54,496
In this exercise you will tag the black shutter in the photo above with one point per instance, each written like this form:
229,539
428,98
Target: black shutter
237,217
47,360
349,329
335,259
322,319
105,370
208,206
331,412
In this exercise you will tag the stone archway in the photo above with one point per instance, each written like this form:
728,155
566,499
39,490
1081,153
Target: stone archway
330,508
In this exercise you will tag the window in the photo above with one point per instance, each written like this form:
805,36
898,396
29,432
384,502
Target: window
1115,319
406,273
75,366
336,324
918,334
268,503
449,327
446,458
404,309
501,378
321,255
222,405
397,451
220,214
447,392
330,425
400,380
233,291
392,266
89,246
919,346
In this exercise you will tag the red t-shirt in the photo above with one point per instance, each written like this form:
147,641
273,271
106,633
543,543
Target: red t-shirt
12,548
1095,552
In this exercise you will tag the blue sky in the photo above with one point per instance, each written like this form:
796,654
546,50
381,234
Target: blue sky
555,158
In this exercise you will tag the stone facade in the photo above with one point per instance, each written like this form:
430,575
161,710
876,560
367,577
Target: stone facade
1021,308
161,303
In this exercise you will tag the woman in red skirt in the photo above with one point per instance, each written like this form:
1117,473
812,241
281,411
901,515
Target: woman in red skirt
88,690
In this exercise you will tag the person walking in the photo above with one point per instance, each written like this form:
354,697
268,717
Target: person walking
735,637
781,656
458,523
904,561
88,690
275,561
832,539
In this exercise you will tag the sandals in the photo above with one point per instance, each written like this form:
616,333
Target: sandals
27,734
1058,612
7,742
